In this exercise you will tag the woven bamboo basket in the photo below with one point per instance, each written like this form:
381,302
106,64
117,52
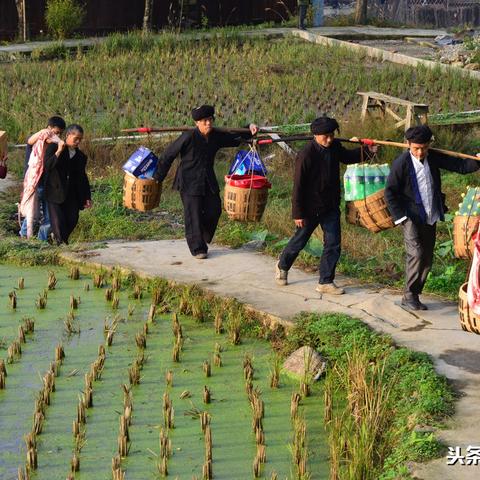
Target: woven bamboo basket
245,204
464,227
352,215
141,194
468,320
373,211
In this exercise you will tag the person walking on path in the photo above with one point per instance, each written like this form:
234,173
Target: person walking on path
414,197
30,202
56,126
195,176
316,201
302,13
67,189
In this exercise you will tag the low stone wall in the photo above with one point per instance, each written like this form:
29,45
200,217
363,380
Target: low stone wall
383,55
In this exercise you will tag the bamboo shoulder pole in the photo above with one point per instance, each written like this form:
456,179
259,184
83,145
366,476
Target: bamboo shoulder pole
405,145
188,129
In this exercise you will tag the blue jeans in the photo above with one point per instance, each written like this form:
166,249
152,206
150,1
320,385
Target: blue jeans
45,228
330,224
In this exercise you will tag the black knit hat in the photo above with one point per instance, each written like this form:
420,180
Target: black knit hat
324,125
420,134
205,111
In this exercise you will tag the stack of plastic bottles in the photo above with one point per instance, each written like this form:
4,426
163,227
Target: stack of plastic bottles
362,179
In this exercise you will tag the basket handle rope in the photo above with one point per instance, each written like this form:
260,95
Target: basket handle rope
466,236
371,156
253,151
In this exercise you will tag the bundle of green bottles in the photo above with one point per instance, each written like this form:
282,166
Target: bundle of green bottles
471,202
362,179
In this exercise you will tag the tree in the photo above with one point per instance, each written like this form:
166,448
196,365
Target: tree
63,17
361,12
22,27
147,15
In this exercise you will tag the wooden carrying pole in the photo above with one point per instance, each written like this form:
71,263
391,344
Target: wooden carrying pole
367,141
186,129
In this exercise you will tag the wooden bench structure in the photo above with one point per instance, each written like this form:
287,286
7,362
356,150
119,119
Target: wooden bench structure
416,113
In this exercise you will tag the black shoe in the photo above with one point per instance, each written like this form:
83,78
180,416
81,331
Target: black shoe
422,305
413,304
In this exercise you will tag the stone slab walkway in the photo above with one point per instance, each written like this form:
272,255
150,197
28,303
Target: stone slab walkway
248,276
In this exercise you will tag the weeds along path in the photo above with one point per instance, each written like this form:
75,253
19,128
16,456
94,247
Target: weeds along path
248,276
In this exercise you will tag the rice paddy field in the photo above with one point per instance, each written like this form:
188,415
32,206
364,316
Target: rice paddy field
132,80
94,374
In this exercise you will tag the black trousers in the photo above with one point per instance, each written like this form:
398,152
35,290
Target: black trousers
330,224
201,213
63,219
419,246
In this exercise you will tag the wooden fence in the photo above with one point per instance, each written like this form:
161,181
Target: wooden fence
437,13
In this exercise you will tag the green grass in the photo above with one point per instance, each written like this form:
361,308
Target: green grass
418,395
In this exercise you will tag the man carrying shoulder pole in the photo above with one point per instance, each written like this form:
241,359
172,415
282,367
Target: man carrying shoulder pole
416,202
195,176
316,201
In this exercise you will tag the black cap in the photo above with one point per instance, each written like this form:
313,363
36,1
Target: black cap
420,134
324,125
205,111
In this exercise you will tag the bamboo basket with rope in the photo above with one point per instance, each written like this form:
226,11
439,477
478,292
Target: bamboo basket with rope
371,212
245,204
141,194
469,321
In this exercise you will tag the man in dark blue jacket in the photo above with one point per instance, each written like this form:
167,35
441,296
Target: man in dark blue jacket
316,202
415,200
195,176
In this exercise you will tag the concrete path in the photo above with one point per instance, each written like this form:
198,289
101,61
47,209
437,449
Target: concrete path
334,32
6,183
30,46
248,276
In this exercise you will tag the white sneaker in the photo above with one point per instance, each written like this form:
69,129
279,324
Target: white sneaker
330,289
281,276
201,256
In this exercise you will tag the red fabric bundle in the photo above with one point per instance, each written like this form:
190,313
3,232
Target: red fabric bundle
247,181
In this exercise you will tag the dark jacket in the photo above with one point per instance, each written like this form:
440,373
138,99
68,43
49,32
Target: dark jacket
195,174
316,187
65,177
401,193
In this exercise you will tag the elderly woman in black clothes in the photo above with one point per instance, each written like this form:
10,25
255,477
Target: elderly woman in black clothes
67,189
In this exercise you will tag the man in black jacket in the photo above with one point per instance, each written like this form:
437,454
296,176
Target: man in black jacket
67,189
415,200
316,201
195,177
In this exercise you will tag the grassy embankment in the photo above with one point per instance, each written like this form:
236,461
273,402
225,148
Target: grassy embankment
131,81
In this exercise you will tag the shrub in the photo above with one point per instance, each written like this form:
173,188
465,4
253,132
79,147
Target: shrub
55,51
63,17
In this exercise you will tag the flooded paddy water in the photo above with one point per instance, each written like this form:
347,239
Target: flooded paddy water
234,445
